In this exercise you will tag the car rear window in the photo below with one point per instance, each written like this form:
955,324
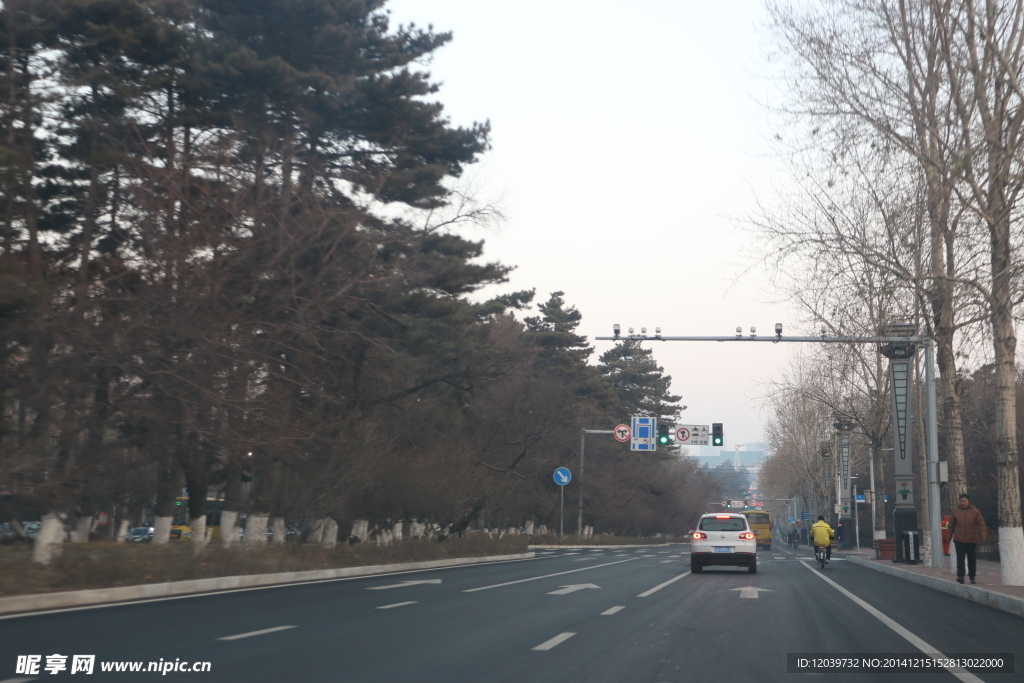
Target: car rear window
730,524
758,518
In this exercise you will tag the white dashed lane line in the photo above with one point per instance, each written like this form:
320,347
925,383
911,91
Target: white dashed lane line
398,604
557,640
250,634
662,585
546,576
613,610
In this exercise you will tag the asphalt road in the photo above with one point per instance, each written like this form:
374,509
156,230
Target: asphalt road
610,615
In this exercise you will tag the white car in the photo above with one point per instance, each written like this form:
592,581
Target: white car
723,539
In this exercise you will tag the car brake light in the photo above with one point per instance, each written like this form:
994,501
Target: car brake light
698,535
722,517
747,536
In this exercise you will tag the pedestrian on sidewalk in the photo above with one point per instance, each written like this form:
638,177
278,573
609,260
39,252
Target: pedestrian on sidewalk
966,525
839,534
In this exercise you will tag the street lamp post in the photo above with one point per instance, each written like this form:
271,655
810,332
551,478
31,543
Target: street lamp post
844,425
583,438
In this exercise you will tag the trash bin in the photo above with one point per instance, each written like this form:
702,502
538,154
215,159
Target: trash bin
911,547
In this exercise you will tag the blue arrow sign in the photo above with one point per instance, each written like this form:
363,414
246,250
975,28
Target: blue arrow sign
563,476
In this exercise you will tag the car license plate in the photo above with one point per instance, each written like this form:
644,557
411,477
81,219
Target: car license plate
720,549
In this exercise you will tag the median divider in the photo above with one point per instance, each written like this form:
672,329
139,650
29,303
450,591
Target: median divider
1000,601
96,596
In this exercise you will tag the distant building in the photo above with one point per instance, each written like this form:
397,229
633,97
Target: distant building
749,456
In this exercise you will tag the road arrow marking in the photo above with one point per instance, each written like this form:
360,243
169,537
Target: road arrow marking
751,591
565,590
402,585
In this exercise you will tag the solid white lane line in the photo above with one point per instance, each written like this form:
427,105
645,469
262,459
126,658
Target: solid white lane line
560,638
398,604
921,645
662,585
546,576
613,610
250,634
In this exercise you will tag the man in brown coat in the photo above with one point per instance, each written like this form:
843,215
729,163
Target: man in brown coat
966,525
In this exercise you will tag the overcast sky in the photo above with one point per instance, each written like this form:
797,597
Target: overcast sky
629,138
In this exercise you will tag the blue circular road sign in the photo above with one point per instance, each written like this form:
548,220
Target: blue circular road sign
563,476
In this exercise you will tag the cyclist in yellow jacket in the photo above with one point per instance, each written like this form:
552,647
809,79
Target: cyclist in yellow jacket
821,534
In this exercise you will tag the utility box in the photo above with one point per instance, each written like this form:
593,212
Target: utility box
904,520
943,472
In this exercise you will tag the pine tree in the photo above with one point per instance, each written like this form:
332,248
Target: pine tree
639,383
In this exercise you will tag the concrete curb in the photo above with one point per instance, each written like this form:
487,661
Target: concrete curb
1000,601
609,547
40,601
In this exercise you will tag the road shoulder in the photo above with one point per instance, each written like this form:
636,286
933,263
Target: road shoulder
983,596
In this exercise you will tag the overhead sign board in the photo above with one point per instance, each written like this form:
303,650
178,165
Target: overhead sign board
692,435
622,433
643,432
737,503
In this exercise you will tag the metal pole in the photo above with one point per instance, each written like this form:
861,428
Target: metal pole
856,519
934,523
579,517
561,515
874,495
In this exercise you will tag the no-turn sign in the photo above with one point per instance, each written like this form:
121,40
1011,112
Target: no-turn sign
621,433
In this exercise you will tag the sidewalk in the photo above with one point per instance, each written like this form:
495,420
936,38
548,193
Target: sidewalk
988,591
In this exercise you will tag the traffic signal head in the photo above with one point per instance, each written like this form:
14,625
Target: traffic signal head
717,439
663,437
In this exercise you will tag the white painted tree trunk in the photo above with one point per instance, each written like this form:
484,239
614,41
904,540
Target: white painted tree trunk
83,525
316,533
361,530
396,532
122,529
416,529
1011,545
162,530
48,540
330,537
199,535
528,530
280,529
384,538
256,529
543,530
229,528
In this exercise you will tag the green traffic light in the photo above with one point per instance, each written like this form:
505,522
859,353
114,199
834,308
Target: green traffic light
663,437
